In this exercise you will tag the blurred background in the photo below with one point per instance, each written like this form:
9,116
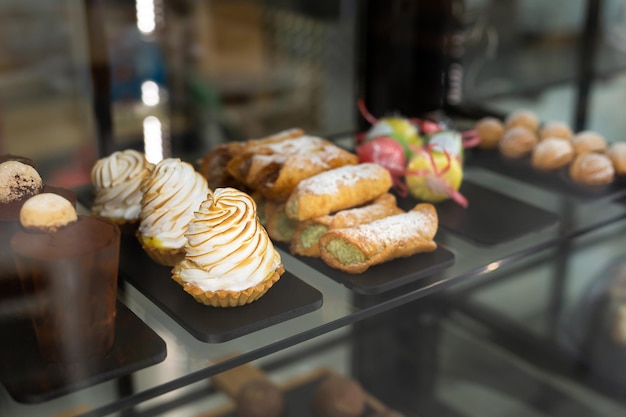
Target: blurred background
79,79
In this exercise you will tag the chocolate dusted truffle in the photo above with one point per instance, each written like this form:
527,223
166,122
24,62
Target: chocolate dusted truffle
490,131
18,181
339,396
259,398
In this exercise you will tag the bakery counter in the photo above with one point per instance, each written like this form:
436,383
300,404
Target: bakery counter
508,219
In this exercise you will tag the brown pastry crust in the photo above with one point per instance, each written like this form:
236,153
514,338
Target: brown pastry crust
552,153
213,165
275,169
592,169
241,166
337,189
355,249
304,245
588,141
226,298
490,130
556,129
522,117
517,142
617,155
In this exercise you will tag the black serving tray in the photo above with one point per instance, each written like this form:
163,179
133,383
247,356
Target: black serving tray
29,378
288,298
557,181
387,276
491,218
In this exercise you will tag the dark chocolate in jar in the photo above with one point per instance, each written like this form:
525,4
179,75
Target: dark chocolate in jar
71,275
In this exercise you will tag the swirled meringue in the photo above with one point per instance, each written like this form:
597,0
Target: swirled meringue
171,193
227,247
117,182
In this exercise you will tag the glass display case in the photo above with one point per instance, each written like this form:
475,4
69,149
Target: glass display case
519,310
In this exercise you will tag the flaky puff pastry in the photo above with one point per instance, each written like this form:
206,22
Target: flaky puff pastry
213,165
275,168
355,249
337,189
306,236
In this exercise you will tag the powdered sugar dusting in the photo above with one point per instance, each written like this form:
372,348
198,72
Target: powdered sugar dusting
400,227
317,151
328,182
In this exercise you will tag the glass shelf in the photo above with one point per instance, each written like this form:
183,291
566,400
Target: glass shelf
190,361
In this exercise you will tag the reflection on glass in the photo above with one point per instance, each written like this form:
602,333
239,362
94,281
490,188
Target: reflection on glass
146,16
153,139
150,93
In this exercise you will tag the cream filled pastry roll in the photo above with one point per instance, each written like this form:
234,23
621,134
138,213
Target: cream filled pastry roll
276,168
337,189
230,260
306,236
355,249
171,193
117,181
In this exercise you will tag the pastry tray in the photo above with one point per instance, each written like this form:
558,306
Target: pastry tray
290,297
491,218
298,395
29,378
556,181
383,277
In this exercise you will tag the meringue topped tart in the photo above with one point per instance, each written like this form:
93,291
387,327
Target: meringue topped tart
229,258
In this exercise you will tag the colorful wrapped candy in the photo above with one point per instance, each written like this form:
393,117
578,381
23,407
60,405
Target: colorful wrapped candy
424,158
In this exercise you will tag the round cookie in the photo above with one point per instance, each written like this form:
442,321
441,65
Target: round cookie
517,142
522,117
588,141
339,396
552,153
556,129
18,181
47,212
592,169
259,398
490,131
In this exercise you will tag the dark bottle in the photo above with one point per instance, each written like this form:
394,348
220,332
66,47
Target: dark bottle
409,56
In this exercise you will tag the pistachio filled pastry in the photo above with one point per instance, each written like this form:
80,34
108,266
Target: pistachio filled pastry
355,249
279,227
306,236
